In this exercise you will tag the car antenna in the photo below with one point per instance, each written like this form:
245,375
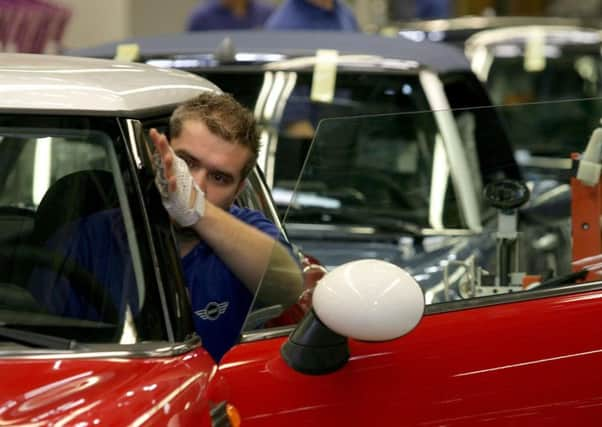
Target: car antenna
225,52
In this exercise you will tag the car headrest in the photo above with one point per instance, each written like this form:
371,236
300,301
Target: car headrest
72,197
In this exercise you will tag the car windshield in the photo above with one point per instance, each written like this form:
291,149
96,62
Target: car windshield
62,194
560,74
388,187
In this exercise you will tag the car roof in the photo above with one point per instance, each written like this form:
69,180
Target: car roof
478,23
559,35
271,45
459,29
47,83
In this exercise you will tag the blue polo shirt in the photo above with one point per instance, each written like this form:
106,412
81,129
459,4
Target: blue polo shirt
220,301
215,16
302,15
432,9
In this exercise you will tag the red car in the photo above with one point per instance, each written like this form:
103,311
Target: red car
496,352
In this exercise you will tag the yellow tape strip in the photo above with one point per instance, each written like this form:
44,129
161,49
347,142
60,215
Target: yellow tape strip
324,77
127,52
535,52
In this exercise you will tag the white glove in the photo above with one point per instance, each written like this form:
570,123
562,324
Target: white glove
178,203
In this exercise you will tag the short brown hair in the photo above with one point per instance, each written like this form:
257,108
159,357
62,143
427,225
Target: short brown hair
224,116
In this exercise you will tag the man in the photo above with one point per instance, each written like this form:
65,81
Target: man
228,14
227,252
312,15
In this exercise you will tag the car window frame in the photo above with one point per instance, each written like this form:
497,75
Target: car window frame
112,127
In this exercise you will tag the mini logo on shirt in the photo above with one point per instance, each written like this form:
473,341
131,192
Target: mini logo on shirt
212,310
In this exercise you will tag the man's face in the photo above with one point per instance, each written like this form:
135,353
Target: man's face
216,165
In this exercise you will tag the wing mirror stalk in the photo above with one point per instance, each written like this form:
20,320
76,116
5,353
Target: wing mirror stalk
314,349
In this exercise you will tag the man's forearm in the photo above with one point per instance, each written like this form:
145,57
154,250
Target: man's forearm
252,255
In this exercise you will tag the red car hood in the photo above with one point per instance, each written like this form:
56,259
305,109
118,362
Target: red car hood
109,391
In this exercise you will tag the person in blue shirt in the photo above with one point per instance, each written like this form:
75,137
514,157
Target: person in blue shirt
227,251
228,14
312,15
403,10
432,9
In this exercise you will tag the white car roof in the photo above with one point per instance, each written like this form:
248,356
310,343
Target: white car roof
47,83
552,34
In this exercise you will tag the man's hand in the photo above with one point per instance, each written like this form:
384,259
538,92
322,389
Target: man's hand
181,196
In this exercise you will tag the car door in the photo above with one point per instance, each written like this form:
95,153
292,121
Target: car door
515,362
521,353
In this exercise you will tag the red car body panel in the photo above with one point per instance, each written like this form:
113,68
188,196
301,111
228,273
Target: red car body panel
106,391
528,363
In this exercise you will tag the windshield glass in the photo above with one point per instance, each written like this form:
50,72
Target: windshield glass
573,75
394,188
68,252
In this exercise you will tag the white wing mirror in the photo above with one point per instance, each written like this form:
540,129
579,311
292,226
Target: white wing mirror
369,300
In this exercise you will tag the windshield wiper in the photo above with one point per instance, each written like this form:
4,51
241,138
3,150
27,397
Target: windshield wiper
358,216
395,224
34,339
565,279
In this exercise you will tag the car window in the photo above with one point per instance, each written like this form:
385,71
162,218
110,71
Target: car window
568,75
289,133
50,157
372,169
534,239
69,257
484,131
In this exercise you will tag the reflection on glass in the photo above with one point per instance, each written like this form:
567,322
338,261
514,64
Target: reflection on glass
280,297
66,267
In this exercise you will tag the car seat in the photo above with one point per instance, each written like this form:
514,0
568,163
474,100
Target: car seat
71,197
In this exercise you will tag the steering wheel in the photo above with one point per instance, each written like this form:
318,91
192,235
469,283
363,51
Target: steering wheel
82,281
17,211
373,179
22,218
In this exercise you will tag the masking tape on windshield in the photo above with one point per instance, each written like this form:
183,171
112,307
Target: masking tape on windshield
324,77
535,51
127,52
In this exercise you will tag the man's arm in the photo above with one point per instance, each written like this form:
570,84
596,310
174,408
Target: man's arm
252,255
